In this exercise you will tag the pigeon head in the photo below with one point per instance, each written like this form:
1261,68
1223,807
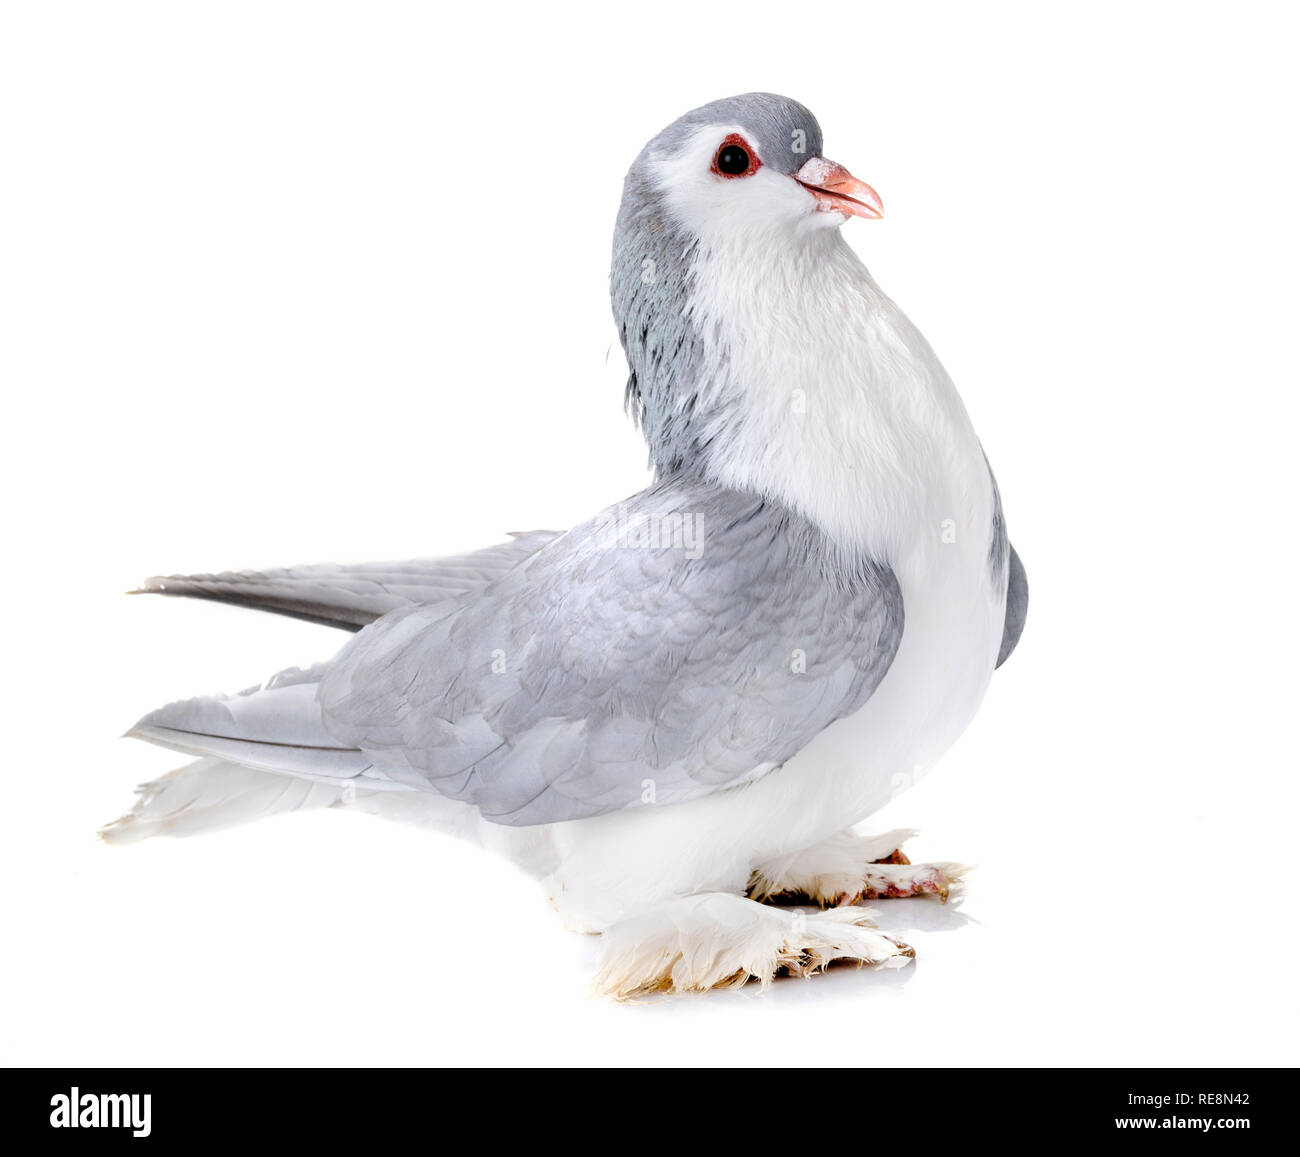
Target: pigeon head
733,183
750,162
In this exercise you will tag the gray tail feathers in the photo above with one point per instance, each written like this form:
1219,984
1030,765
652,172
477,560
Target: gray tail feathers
211,794
276,727
351,596
264,751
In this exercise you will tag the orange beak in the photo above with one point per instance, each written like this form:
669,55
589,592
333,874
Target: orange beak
839,191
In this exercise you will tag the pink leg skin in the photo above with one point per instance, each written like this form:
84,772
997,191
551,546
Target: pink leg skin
849,868
890,881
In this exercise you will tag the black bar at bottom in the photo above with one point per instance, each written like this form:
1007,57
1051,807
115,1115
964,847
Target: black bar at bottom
914,1107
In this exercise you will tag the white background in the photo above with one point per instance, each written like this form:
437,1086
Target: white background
288,283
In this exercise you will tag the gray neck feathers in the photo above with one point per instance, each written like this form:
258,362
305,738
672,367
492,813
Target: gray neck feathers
649,284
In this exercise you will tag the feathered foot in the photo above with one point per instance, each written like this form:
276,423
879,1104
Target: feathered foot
884,880
720,940
849,868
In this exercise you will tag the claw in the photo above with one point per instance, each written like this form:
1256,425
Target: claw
894,857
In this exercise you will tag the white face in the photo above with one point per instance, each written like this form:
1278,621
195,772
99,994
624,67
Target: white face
716,193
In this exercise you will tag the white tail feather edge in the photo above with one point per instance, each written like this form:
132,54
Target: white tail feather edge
213,793
210,794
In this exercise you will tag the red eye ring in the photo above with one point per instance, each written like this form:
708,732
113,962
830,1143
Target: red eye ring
735,158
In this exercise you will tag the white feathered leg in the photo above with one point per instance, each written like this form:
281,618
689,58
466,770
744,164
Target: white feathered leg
720,940
848,868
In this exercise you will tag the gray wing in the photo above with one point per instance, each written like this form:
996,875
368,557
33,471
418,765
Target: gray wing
687,640
274,727
1005,565
1017,606
352,596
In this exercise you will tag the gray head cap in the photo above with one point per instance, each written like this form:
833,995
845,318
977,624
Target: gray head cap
650,267
785,133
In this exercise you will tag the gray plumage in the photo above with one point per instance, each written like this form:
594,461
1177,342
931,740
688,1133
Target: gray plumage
555,692
276,727
349,597
1006,567
1017,606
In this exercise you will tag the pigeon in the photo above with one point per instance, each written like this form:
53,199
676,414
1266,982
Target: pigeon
675,715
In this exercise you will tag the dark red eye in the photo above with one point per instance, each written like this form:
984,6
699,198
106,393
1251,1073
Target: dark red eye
735,158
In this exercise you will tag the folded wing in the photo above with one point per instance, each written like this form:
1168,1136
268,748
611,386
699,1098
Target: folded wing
688,640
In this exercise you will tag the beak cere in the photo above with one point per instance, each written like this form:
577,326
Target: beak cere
839,191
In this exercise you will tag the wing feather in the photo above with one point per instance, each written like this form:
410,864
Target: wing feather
610,657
